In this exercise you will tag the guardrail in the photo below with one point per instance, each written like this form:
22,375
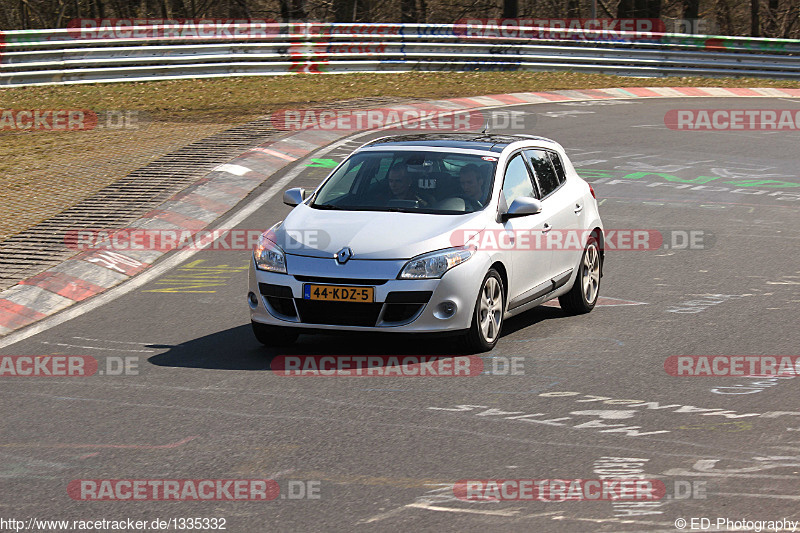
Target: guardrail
165,52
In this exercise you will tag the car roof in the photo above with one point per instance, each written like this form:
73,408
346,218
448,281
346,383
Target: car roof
489,142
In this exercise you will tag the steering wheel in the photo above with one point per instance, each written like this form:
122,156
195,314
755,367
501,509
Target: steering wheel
471,204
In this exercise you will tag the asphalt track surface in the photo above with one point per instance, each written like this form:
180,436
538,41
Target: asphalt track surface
384,452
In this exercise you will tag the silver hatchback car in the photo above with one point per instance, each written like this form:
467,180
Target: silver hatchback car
430,233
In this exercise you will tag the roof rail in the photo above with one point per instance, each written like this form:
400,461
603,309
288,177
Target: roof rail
533,137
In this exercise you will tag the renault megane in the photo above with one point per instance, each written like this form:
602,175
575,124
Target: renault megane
430,233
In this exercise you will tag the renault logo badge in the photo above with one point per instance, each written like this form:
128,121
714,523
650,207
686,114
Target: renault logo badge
343,255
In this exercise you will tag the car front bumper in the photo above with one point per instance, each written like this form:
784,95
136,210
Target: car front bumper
400,306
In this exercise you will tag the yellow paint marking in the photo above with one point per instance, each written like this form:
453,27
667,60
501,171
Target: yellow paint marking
196,277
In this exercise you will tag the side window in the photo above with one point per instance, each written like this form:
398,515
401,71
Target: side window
545,173
517,181
556,160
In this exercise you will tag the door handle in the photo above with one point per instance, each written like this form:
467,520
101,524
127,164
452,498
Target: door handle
578,208
546,227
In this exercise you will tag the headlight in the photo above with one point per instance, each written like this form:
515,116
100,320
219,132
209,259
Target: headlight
269,255
433,265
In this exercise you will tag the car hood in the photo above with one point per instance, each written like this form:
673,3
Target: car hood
372,234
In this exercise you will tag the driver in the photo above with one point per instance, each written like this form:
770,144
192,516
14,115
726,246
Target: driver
401,186
471,183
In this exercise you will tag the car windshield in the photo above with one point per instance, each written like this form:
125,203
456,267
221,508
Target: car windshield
409,181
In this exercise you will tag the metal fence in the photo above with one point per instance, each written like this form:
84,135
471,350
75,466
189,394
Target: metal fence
165,52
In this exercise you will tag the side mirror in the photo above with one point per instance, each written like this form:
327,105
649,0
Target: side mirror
294,196
523,206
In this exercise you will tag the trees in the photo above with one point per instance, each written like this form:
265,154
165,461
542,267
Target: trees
351,11
649,9
767,18
755,26
293,10
408,11
510,8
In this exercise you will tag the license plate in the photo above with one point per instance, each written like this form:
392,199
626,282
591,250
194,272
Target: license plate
337,293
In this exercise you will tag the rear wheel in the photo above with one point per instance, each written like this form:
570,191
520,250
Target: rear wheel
487,320
583,295
274,335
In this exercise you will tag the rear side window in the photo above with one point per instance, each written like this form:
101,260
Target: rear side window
556,160
517,181
545,173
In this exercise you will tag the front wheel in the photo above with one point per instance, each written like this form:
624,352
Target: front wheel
273,335
583,295
487,320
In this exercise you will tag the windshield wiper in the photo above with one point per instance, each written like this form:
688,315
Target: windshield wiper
364,208
326,206
378,209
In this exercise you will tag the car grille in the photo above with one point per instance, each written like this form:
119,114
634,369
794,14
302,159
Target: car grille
400,312
279,297
400,308
283,306
338,313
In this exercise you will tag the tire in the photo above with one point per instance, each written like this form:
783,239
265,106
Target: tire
583,295
487,317
274,335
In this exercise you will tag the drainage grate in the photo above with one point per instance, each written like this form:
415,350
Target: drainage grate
118,205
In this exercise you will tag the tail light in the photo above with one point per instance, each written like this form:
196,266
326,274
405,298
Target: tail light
591,189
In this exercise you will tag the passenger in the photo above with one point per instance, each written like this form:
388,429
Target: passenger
472,183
